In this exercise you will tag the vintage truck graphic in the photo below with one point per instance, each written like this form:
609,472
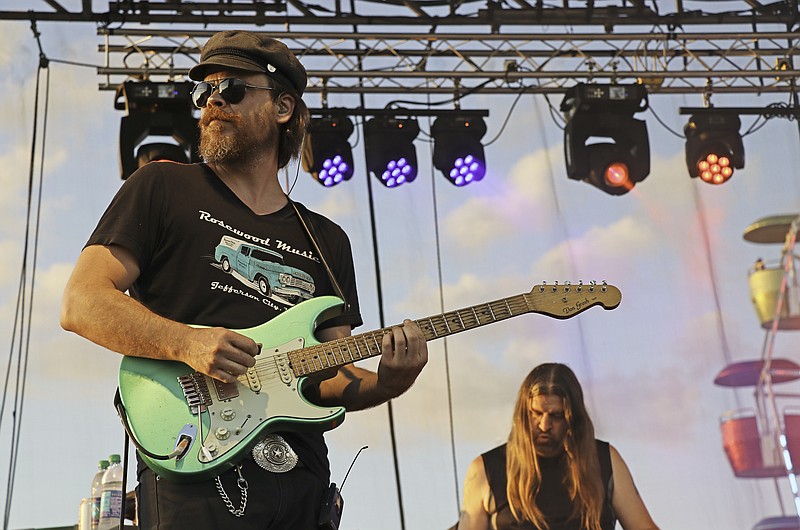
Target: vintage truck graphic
265,268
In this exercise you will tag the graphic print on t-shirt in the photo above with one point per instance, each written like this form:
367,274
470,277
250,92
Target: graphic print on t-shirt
263,270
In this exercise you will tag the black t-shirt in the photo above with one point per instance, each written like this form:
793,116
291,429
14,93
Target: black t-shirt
206,259
553,497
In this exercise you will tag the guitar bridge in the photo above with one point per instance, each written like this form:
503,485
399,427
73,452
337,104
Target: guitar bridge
195,391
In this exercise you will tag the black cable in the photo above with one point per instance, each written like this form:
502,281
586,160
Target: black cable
381,316
125,448
347,474
20,321
558,119
445,344
454,99
505,121
757,124
35,249
667,127
123,418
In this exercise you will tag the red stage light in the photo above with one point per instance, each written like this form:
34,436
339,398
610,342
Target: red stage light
715,169
617,175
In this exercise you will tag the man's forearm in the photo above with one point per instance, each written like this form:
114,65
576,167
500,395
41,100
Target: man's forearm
354,388
115,321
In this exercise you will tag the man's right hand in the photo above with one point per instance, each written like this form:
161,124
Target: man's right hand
219,353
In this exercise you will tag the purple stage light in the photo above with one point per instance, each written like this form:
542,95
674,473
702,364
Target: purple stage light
466,170
334,171
397,172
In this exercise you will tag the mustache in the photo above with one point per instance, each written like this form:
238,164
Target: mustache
214,113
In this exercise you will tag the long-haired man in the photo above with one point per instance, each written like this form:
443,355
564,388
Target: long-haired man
552,474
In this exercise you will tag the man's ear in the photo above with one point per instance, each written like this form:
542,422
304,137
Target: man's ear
285,107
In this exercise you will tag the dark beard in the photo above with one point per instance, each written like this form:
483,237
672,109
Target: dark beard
239,146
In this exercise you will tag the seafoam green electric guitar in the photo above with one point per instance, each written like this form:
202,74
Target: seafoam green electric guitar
207,426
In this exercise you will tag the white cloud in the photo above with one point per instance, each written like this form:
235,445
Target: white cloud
337,206
600,251
518,203
16,44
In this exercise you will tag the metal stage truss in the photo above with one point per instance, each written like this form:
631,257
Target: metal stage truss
458,47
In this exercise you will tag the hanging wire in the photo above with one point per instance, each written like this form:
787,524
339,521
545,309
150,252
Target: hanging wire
570,257
663,124
558,118
712,274
440,282
381,316
454,99
505,121
22,319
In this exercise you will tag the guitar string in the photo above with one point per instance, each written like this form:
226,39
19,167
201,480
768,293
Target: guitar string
341,351
315,358
347,349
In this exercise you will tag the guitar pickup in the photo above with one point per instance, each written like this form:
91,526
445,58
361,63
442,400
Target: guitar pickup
226,390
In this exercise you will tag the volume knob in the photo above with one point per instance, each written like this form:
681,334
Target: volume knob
222,433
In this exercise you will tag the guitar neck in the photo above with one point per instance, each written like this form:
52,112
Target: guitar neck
557,301
365,345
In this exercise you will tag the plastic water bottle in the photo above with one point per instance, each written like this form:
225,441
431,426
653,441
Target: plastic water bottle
85,514
111,495
97,485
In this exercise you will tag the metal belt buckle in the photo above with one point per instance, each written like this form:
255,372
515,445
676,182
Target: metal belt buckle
273,453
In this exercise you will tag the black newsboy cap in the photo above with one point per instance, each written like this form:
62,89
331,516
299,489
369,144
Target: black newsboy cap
253,52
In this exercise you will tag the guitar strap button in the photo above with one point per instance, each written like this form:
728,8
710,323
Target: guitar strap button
274,453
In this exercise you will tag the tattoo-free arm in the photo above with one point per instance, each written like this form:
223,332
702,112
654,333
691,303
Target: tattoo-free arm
628,505
96,307
474,508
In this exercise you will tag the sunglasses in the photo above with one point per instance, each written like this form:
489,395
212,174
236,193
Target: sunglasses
230,89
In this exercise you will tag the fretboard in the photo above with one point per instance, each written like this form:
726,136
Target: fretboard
346,350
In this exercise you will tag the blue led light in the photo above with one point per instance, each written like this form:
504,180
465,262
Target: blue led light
465,170
335,170
397,172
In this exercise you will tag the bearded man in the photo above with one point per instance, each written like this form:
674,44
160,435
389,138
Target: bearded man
170,237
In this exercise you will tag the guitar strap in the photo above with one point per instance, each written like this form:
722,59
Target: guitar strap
310,232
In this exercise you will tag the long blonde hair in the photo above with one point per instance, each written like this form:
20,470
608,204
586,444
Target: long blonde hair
583,468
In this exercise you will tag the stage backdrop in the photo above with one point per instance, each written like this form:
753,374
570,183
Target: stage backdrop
673,246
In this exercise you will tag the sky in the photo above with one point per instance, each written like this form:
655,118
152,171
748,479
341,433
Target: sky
673,246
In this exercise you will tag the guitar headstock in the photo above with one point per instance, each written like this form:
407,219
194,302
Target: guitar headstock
567,299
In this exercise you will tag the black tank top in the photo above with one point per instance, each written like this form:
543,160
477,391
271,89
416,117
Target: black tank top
553,498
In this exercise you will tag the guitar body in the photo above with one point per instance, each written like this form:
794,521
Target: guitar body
267,399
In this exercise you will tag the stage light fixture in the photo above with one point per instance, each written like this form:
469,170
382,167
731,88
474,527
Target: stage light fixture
155,109
714,146
327,154
596,114
155,152
457,149
390,152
